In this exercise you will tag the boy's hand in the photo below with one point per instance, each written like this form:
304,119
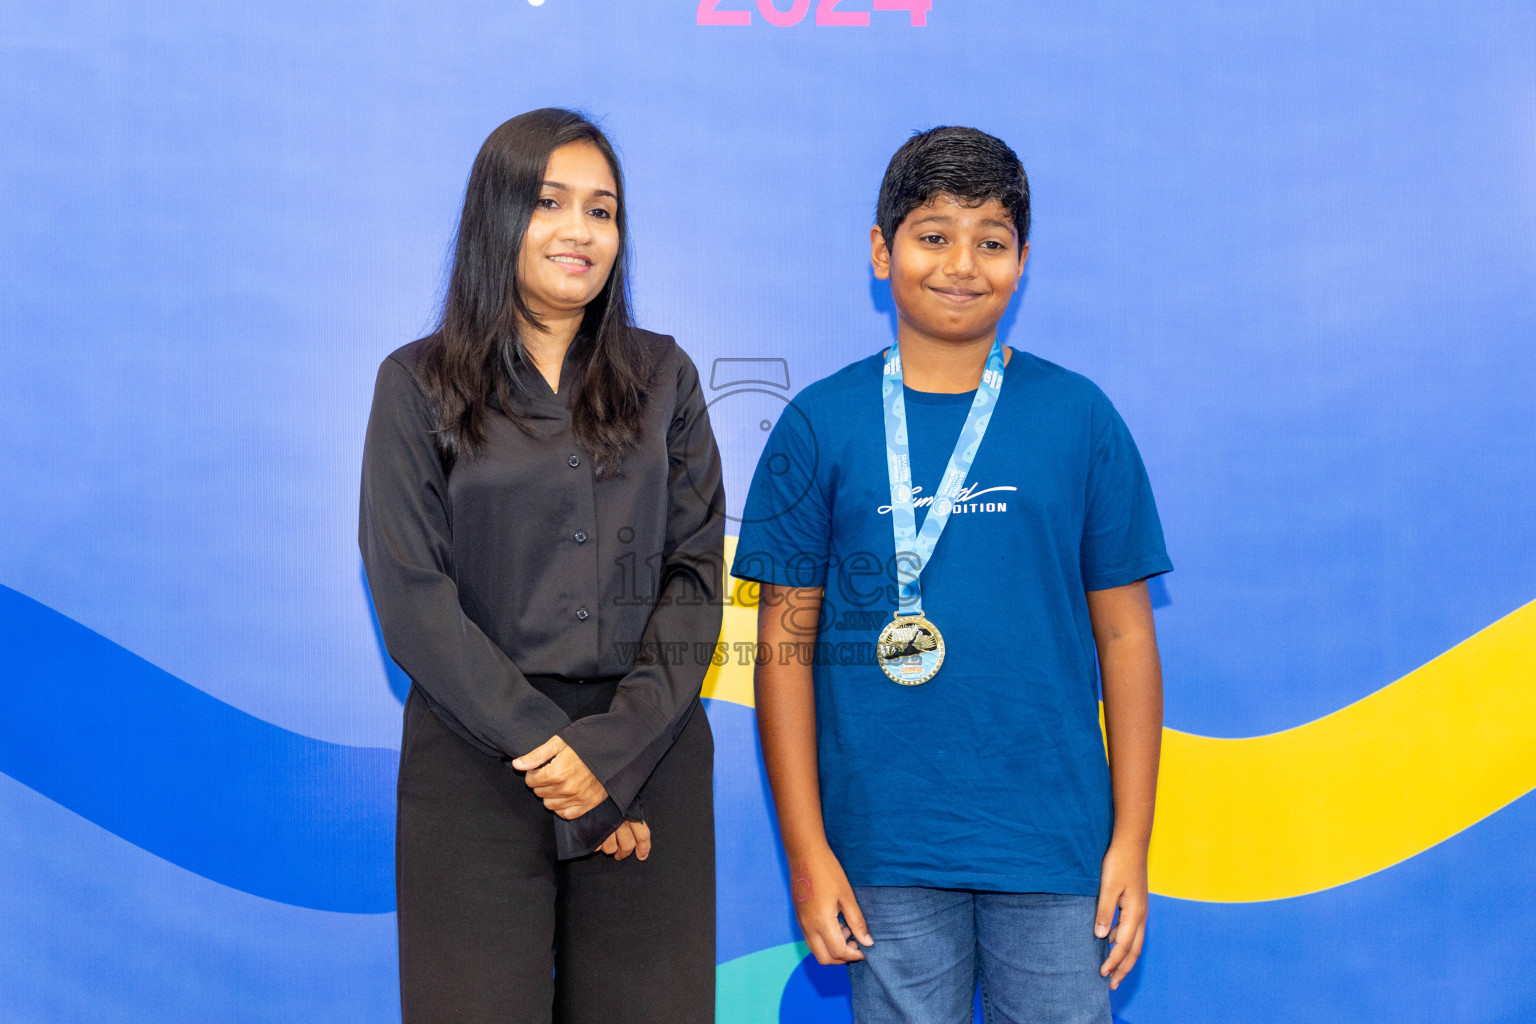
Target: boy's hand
821,891
786,724
561,779
632,837
1123,884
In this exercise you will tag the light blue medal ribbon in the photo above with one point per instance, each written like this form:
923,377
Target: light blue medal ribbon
905,653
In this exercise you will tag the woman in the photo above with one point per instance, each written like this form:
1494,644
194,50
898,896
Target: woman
543,518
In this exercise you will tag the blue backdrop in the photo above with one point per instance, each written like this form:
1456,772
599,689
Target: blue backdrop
1295,243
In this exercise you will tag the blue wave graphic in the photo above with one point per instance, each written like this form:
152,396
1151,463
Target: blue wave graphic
189,778
94,930
253,806
266,811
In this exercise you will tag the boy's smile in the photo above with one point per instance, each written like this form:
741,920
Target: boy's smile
953,269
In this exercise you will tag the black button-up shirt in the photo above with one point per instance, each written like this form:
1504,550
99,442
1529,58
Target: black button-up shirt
518,562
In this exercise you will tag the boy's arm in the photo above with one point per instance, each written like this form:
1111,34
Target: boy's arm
786,724
1133,719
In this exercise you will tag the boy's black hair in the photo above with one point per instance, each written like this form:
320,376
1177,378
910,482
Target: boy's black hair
965,163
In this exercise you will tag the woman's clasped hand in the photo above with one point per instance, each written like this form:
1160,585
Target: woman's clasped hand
558,776
632,837
567,786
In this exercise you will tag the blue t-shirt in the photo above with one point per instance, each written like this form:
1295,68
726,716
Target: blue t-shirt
991,776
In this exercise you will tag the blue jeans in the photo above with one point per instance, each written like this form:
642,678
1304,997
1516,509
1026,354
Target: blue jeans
1034,954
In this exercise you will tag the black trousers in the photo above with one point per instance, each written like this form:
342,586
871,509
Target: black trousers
495,930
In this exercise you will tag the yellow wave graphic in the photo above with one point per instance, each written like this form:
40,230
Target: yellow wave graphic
1358,790
1325,803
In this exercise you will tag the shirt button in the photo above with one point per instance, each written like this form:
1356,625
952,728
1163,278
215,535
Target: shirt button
573,462
581,536
581,613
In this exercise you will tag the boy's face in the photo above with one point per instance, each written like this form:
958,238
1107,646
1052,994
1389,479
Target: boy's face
953,268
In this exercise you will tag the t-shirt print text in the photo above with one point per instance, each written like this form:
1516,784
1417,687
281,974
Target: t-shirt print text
965,501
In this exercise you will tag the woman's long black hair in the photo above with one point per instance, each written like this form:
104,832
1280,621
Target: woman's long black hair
472,354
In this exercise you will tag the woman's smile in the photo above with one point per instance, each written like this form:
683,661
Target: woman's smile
573,261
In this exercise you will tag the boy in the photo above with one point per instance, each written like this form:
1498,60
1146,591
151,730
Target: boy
946,537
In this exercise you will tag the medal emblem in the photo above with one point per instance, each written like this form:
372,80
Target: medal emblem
910,650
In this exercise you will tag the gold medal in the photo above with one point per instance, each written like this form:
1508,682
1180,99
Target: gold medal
910,649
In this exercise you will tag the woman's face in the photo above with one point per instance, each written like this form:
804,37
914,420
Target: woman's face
573,235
